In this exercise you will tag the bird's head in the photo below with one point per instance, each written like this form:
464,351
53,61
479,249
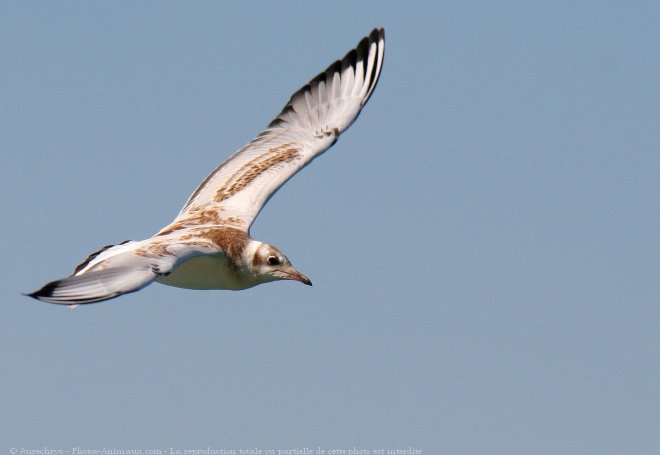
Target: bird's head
270,264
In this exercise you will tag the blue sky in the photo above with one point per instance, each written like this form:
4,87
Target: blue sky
483,241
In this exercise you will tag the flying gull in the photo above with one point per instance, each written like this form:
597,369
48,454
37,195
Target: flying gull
208,245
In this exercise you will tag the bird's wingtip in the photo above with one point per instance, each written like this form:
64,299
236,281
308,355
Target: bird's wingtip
45,291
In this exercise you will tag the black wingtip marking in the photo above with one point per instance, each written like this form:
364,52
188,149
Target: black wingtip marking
355,56
46,291
45,294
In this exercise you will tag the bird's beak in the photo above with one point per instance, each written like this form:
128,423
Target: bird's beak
297,276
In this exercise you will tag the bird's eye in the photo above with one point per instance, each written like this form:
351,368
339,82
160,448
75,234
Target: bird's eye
273,260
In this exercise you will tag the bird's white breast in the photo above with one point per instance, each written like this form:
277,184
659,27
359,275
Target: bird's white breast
208,272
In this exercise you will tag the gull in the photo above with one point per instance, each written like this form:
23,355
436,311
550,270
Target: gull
208,245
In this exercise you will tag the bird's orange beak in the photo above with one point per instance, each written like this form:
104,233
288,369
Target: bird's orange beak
297,276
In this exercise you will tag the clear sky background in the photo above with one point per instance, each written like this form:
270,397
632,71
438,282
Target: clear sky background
484,241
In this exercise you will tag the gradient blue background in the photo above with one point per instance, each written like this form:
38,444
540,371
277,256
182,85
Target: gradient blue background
483,241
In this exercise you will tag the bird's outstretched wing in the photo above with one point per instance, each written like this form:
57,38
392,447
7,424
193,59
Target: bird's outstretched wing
310,123
96,286
110,272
